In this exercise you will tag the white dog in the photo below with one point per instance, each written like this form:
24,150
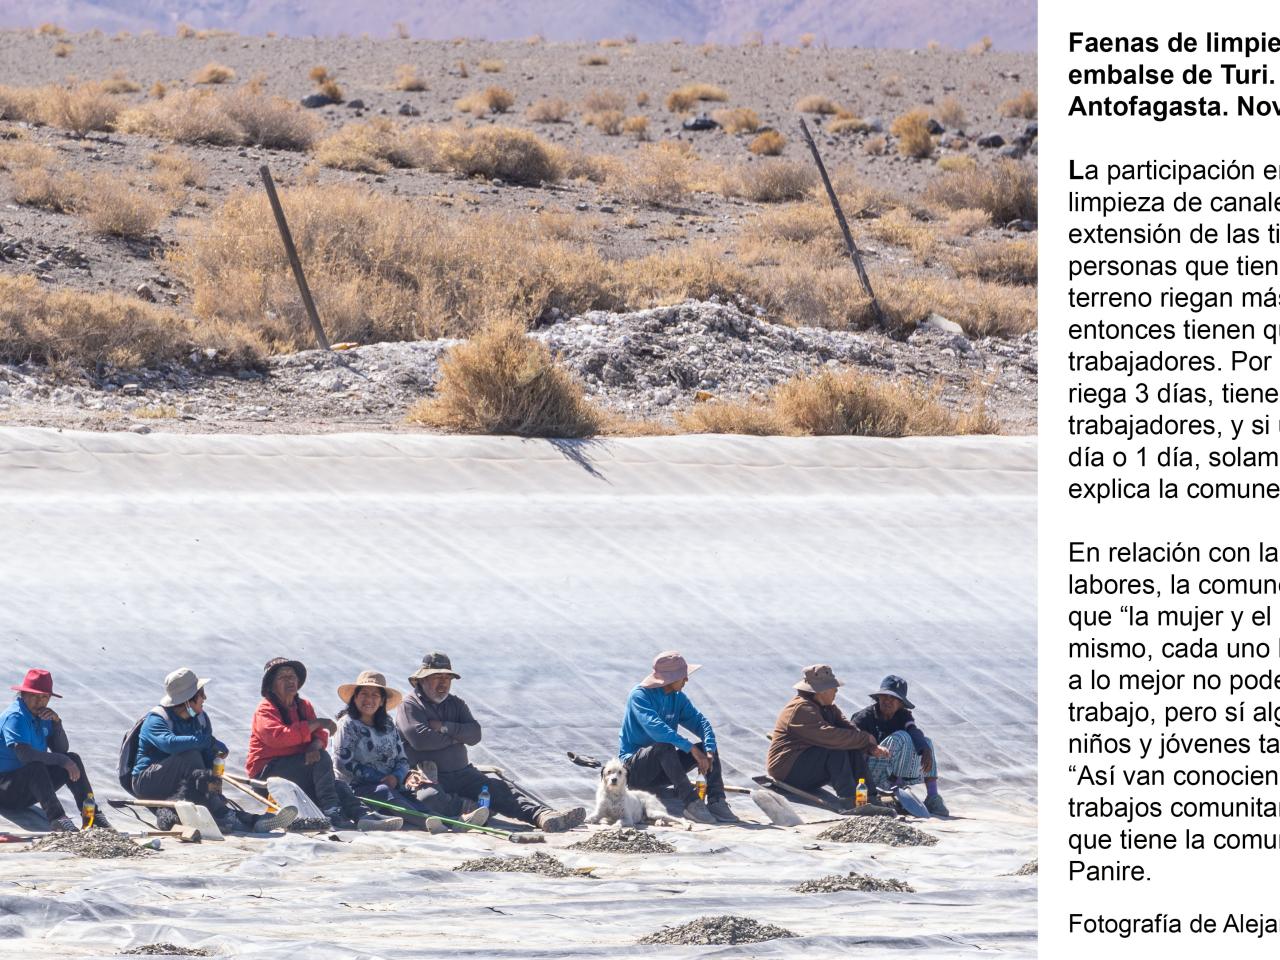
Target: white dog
628,808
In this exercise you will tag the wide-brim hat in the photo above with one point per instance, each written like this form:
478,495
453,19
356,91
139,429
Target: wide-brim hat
818,678
432,664
180,686
892,686
669,667
273,665
371,678
39,682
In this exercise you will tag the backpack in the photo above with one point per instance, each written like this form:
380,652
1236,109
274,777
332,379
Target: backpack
129,747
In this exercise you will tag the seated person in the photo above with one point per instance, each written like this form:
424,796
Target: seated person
287,740
368,755
656,754
35,761
911,754
814,745
176,750
437,727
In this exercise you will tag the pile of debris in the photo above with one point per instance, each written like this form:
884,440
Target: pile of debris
717,930
623,840
92,844
877,830
164,950
837,883
539,863
1028,869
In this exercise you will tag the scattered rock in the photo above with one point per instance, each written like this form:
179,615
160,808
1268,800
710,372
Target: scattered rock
837,883
623,840
700,122
936,321
92,844
355,104
409,110
1028,869
877,830
991,140
165,950
540,863
313,100
706,931
935,127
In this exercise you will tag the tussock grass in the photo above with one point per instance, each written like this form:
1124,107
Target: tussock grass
794,223
899,228
19,103
49,188
955,162
597,101
508,153
875,146
850,124
768,144
503,382
548,110
374,146
492,66
770,181
965,222
115,209
1009,262
727,417
594,60
817,103
50,30
119,82
737,120
81,108
1006,191
62,50
24,155
951,113
213,73
637,126
608,122
490,100
408,79
246,116
685,98
1025,105
660,174
912,131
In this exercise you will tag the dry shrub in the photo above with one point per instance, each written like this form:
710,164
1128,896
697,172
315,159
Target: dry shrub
842,125
157,91
599,100
331,90
80,108
115,209
189,116
816,103
659,174
119,82
408,79
685,98
737,120
891,86
768,144
62,49
49,188
953,163
489,100
933,46
503,382
754,38
951,113
612,42
179,166
24,155
53,325
637,126
726,417
642,99
548,110
1010,262
608,122
213,73
492,66
506,153
402,31
271,122
1024,105
595,167
980,47
185,31
770,181
806,40
50,30
594,60
855,403
20,103
794,223
1006,192
318,74
899,228
461,67
982,309
374,146
966,222
912,131
535,40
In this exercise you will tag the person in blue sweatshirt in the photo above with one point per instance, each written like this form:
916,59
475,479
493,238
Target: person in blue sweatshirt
656,753
176,753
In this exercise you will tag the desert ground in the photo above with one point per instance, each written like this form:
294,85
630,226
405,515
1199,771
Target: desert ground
146,289
551,572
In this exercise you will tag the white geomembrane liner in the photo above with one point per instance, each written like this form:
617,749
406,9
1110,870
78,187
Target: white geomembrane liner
551,573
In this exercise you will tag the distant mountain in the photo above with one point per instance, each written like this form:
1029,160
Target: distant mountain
1011,24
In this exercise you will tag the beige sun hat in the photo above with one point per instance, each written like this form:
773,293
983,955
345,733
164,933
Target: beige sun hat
818,678
668,667
371,678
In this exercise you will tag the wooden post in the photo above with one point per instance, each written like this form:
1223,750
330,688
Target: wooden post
294,262
852,247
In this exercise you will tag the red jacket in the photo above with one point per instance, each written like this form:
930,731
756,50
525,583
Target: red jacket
273,736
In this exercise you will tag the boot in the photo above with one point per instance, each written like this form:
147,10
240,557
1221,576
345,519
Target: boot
697,811
558,821
722,812
377,821
935,805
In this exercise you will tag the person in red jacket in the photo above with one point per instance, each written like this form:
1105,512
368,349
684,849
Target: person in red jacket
288,740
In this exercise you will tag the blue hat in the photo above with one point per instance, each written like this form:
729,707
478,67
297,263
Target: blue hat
894,687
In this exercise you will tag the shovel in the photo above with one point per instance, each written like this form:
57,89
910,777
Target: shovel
534,837
189,815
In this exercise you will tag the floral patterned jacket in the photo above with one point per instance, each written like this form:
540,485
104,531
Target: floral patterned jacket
362,756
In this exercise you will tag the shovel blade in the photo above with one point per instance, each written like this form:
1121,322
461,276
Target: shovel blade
198,817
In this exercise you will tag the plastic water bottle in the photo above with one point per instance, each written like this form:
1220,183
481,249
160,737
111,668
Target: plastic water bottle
860,795
484,797
88,810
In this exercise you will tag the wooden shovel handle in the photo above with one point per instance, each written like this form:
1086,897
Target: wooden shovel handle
272,807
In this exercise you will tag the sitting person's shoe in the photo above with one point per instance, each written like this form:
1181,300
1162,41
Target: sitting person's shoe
232,821
339,821
477,817
279,820
935,805
722,812
100,821
166,818
63,825
697,811
435,825
558,821
371,821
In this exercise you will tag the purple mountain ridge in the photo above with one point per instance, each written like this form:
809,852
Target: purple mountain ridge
1011,24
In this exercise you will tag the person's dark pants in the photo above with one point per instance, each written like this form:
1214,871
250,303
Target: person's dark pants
177,777
317,782
819,766
436,803
504,799
39,783
660,764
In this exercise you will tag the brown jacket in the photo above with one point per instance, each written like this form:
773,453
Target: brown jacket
804,723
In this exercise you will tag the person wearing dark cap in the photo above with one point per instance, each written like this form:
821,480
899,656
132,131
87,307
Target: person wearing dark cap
911,754
657,754
287,740
35,760
814,745
437,727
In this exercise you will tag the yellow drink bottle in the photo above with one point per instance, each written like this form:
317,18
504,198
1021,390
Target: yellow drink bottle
860,795
87,811
702,787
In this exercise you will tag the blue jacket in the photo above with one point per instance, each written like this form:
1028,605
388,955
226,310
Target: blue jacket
20,725
163,736
654,716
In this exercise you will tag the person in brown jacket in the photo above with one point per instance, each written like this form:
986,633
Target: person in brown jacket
814,745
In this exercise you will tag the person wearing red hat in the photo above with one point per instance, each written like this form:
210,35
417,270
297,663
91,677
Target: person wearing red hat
34,757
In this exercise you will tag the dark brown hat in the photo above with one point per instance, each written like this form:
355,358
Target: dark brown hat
268,672
434,663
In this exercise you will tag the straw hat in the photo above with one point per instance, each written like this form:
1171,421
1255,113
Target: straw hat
818,678
371,678
669,667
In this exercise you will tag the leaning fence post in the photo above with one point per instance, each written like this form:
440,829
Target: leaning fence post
852,247
294,262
